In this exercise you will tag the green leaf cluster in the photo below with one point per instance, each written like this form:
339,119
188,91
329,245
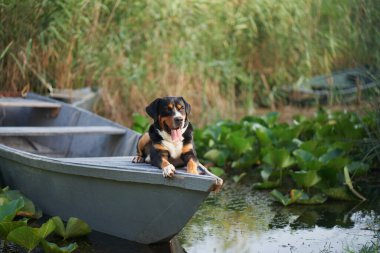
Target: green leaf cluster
14,205
315,155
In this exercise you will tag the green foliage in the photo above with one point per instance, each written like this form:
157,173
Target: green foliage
140,123
13,203
74,227
50,247
137,50
320,155
28,237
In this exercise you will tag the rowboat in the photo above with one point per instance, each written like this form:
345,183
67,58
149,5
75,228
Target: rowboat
73,163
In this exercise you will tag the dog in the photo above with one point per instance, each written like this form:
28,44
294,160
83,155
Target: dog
169,141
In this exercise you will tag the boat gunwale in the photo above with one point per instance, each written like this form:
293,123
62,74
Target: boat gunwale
143,175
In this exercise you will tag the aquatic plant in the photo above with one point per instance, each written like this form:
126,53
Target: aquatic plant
14,205
318,157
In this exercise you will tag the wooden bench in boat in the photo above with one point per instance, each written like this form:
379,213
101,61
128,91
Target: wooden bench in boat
64,130
23,102
32,103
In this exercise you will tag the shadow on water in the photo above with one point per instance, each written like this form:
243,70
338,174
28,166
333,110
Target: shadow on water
101,243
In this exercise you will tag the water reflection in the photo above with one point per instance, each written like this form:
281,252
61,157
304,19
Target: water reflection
241,220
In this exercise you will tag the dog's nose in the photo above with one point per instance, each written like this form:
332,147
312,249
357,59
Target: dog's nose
178,120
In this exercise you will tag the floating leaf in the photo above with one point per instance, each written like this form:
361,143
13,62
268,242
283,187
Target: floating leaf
29,209
9,210
49,247
238,178
46,229
306,178
26,237
316,199
74,228
267,185
217,171
266,172
278,158
238,143
217,156
7,226
285,200
244,162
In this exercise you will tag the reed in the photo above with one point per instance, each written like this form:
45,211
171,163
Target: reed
224,56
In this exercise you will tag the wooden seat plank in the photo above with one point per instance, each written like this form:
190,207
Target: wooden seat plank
67,130
23,102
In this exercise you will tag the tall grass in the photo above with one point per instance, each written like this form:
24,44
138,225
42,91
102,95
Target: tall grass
224,56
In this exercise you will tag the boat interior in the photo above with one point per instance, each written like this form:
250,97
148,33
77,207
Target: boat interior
42,126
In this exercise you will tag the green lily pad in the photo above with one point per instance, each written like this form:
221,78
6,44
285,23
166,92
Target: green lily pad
26,237
9,210
278,158
50,247
285,199
217,171
305,178
74,227
7,226
217,156
267,185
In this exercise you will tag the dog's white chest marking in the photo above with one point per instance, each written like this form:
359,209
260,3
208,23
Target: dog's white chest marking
174,148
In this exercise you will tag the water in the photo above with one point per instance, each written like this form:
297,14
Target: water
240,219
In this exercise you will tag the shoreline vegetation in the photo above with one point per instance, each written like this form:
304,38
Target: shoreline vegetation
227,58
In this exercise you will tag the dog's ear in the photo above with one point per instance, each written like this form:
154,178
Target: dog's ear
187,106
152,109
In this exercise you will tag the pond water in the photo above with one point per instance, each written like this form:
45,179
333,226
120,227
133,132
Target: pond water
239,219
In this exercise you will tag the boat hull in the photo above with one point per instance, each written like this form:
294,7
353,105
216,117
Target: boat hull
145,212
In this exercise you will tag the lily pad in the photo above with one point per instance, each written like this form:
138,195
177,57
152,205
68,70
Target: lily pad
7,226
267,185
9,210
278,158
50,247
74,228
26,237
305,178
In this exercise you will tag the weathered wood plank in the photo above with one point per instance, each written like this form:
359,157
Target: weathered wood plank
68,130
22,102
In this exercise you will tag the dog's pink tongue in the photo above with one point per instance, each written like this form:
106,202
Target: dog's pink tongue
176,135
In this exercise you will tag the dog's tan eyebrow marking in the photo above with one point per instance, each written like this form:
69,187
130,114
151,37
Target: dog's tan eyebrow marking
171,106
160,147
179,106
187,148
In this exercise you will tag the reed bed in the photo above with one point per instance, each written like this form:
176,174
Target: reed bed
225,57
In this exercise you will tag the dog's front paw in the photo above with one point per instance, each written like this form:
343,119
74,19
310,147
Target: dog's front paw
168,171
138,159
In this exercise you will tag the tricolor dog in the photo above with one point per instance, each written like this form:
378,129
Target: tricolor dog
169,142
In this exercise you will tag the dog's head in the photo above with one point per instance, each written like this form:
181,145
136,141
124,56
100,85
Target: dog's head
170,114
